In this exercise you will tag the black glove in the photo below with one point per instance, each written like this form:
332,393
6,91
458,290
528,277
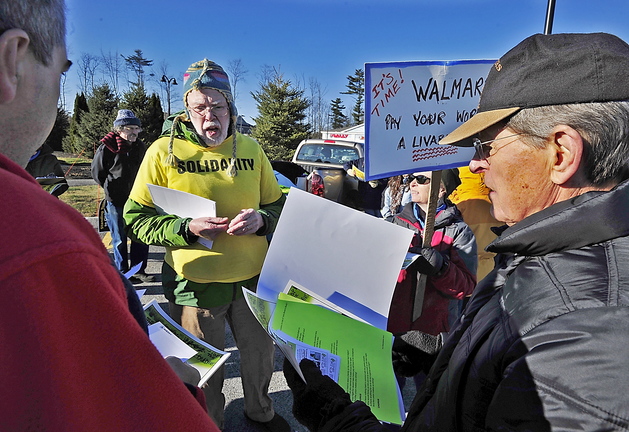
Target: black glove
429,262
317,400
415,352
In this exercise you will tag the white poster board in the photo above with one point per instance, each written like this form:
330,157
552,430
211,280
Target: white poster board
345,256
410,106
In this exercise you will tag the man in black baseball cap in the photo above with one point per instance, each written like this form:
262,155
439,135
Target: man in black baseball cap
550,70
544,341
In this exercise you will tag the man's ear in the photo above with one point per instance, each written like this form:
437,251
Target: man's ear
13,50
568,151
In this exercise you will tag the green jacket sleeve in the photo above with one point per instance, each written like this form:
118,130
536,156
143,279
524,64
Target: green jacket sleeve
145,225
270,214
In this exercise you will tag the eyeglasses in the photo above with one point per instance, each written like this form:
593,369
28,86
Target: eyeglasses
420,179
483,149
136,129
216,110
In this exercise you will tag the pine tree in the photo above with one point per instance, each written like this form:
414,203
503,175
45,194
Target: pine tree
155,119
147,108
339,119
99,120
356,87
59,130
72,141
280,126
137,63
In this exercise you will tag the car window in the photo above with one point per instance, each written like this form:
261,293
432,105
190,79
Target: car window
327,153
308,152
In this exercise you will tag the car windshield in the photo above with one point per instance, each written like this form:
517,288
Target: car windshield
328,153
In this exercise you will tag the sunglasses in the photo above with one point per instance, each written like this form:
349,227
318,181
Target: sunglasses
483,148
420,179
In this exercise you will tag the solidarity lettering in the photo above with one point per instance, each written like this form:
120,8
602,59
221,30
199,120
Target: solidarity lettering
213,165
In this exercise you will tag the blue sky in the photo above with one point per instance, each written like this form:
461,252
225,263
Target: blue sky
322,39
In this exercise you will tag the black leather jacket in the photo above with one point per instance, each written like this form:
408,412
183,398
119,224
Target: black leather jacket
544,341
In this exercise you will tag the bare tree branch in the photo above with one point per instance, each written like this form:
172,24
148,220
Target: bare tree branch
87,67
236,71
112,68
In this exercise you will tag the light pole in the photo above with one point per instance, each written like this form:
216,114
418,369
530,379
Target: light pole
550,15
169,82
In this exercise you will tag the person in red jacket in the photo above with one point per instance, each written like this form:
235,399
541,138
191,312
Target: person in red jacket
74,357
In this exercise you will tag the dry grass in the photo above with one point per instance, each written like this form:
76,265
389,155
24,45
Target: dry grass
84,199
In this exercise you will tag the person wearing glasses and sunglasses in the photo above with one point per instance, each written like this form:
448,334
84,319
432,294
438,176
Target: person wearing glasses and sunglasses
114,167
201,153
543,343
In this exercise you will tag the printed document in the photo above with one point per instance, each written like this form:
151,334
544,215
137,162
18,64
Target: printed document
197,353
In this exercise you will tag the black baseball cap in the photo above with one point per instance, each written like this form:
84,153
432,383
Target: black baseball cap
554,69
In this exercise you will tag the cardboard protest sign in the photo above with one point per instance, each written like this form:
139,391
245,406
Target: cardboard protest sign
410,106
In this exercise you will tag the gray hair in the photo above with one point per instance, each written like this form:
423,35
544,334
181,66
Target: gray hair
43,21
604,127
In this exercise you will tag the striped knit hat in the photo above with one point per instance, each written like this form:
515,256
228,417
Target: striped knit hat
206,74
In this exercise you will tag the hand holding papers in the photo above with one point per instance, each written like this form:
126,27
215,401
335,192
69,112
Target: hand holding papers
352,353
183,204
334,312
310,397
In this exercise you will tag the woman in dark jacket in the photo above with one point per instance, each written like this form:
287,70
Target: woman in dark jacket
450,264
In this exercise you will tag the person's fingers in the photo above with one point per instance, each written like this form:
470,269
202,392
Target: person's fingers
184,371
310,370
293,379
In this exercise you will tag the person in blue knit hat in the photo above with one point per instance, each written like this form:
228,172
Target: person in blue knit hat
200,152
114,168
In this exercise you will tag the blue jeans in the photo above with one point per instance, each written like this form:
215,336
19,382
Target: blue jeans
139,251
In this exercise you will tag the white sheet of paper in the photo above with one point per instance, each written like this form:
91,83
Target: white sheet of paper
334,250
183,204
168,344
